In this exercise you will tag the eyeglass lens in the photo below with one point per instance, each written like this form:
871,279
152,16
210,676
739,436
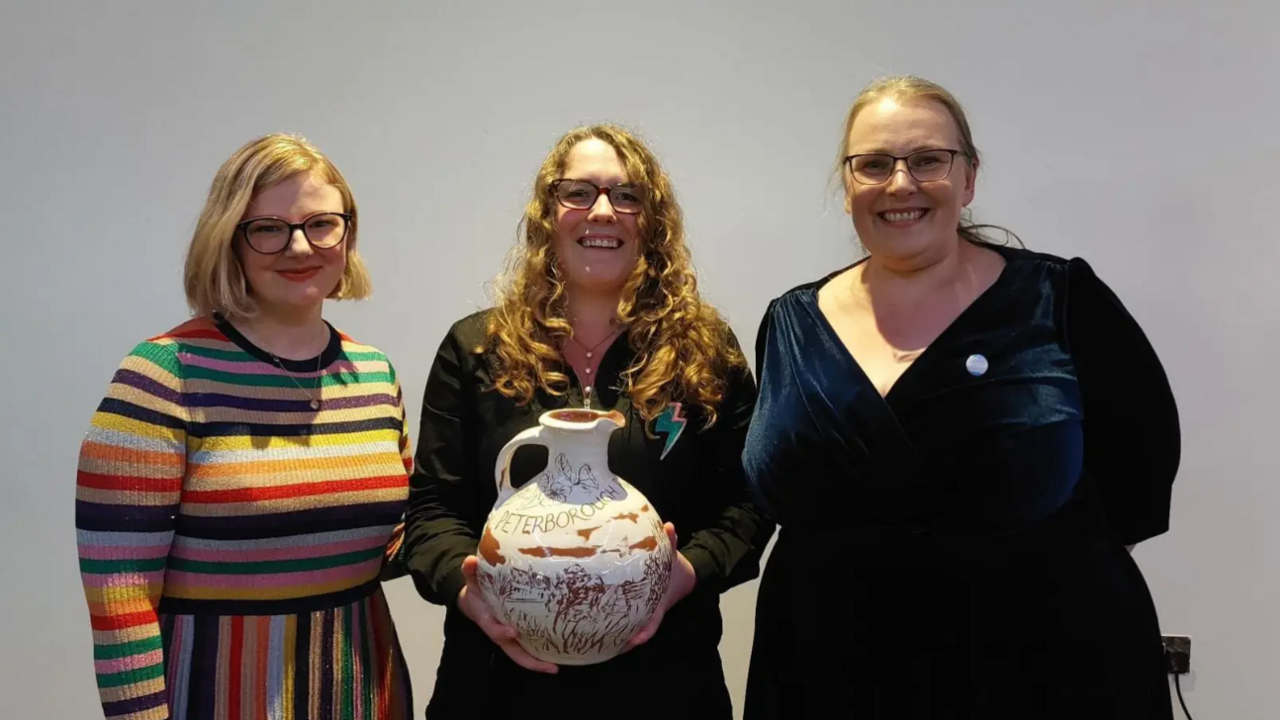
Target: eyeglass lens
582,195
269,235
925,166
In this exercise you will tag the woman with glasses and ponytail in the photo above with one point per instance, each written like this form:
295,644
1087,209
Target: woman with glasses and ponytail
242,484
600,309
960,442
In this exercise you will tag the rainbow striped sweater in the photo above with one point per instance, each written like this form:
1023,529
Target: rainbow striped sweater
231,537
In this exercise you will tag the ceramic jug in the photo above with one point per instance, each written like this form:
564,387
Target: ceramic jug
576,559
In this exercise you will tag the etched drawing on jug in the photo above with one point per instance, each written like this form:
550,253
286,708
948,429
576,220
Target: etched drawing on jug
523,514
563,484
590,619
576,560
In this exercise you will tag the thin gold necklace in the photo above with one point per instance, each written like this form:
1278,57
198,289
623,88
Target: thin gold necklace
590,351
315,400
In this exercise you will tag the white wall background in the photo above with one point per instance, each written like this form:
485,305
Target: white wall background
1140,135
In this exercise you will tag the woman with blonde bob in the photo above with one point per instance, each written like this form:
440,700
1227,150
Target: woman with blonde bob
601,309
244,478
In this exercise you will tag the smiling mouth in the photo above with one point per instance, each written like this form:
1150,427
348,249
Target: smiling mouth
608,243
299,273
903,216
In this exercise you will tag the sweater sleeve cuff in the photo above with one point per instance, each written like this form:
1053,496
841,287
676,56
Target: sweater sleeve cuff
436,587
450,585
704,567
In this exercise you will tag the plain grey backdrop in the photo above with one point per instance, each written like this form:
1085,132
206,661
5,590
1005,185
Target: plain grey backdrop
1140,135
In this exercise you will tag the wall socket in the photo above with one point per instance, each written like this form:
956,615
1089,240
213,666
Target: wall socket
1177,654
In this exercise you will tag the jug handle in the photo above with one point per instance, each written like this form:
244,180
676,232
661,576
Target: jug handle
502,469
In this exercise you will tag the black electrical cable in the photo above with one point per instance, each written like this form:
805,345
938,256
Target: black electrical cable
1177,684
1182,702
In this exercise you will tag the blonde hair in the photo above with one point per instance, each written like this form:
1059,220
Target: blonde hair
212,277
684,349
911,87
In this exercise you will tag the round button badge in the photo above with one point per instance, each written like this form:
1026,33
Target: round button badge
976,365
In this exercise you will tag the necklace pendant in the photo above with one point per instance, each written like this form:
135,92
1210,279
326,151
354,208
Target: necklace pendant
315,404
590,354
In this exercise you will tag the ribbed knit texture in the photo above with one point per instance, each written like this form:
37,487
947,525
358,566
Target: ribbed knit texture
231,537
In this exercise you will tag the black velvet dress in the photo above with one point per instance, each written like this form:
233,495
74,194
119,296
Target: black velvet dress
956,548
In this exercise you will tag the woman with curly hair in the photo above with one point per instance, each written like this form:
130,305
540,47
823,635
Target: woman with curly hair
601,309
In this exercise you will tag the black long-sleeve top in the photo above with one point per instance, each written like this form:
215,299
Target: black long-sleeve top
692,474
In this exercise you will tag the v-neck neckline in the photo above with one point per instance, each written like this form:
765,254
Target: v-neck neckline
833,337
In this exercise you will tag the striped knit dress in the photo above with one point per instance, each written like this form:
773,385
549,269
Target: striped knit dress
232,538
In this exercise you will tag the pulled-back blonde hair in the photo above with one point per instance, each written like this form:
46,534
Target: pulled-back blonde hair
212,277
684,349
911,87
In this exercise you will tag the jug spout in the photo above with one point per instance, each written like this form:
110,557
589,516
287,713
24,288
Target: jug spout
612,420
584,420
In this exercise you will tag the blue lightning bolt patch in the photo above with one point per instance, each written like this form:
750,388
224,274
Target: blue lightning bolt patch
672,423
